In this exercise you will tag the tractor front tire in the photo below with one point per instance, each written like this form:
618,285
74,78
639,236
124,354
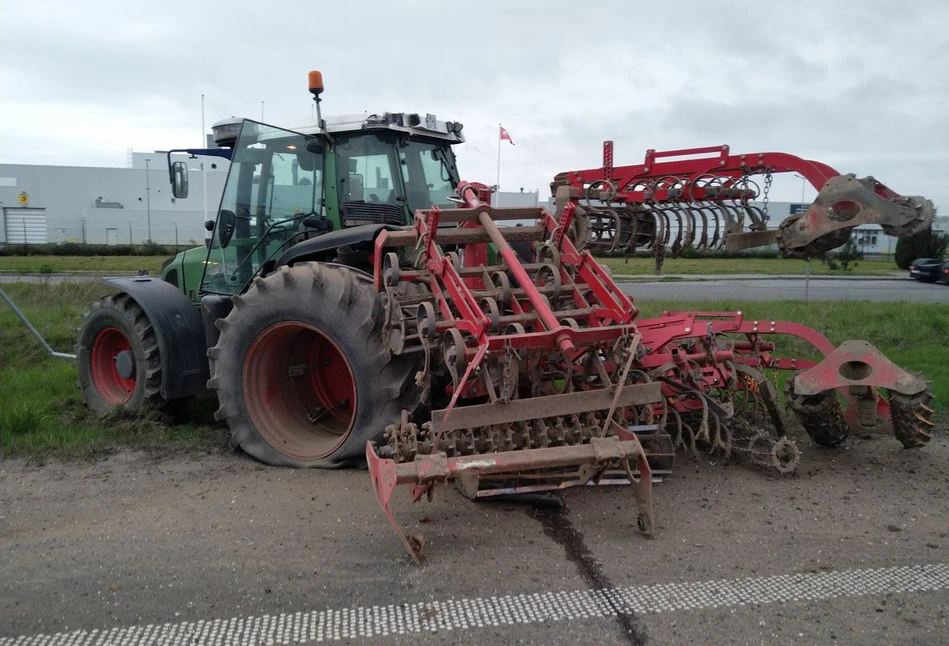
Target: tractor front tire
301,372
117,356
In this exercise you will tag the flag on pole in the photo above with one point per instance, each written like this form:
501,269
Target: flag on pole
505,135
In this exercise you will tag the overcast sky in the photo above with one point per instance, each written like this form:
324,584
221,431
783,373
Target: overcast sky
862,86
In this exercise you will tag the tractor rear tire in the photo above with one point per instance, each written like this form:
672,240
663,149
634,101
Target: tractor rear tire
117,356
301,372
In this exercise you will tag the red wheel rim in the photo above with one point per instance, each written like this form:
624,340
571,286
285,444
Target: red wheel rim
111,386
299,390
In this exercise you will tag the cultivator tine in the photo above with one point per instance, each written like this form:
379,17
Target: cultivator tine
703,240
642,490
384,481
706,203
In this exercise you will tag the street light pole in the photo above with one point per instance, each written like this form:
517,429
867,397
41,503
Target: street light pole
148,202
803,185
807,271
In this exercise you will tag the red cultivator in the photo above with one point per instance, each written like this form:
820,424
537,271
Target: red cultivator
535,373
674,200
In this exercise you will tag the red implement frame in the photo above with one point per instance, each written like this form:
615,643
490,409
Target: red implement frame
678,178
678,361
465,313
429,470
686,184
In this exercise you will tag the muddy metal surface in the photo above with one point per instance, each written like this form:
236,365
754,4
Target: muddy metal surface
215,548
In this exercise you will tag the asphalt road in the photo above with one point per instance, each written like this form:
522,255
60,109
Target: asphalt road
216,549
765,289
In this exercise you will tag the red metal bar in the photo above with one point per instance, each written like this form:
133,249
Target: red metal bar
619,305
607,159
721,164
469,194
857,363
429,470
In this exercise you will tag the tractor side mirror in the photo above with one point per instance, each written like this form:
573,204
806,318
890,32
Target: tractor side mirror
309,157
225,229
179,179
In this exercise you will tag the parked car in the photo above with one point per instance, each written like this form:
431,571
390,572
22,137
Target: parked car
944,273
926,270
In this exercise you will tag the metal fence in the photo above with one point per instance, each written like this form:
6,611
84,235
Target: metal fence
119,232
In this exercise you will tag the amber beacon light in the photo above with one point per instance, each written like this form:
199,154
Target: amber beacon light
316,82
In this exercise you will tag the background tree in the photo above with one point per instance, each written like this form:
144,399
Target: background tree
925,244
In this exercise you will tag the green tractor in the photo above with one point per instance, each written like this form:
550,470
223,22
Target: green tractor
277,313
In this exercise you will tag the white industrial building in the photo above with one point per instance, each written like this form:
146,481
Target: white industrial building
83,204
132,205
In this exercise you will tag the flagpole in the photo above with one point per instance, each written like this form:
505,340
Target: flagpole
497,201
204,174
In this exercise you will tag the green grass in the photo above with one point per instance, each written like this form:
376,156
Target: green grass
763,266
92,264
40,411
634,267
915,336
40,408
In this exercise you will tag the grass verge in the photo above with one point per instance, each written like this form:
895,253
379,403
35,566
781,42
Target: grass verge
763,266
912,335
91,264
40,411
634,267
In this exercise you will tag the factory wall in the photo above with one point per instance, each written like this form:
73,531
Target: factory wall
120,206
103,205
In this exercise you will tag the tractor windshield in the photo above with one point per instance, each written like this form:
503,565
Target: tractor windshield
380,174
429,174
275,182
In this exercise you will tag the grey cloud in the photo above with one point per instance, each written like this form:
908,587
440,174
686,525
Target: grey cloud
846,84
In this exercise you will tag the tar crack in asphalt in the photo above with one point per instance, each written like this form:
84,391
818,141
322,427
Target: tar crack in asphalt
557,526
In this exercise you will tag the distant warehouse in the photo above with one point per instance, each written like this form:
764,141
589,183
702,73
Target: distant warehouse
54,204
132,205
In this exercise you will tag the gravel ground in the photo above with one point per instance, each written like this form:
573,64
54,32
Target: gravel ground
133,540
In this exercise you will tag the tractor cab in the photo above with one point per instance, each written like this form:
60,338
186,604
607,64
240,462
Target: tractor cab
286,186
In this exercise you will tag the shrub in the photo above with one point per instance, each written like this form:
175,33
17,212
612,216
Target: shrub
842,259
925,244
79,249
